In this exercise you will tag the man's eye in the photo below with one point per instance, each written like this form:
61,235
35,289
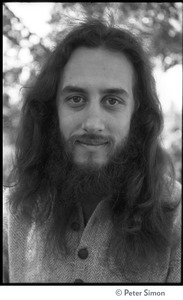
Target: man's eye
76,100
112,101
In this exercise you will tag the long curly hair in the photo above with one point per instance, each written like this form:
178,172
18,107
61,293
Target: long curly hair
141,213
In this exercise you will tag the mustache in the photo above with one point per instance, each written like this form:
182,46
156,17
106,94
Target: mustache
91,139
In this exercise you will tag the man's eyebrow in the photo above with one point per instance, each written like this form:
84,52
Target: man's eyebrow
73,89
117,91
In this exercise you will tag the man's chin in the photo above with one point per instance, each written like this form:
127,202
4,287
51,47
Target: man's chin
90,165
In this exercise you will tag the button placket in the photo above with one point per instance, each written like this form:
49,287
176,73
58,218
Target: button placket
81,261
83,254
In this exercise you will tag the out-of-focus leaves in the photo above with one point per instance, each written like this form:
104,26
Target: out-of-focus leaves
158,24
14,30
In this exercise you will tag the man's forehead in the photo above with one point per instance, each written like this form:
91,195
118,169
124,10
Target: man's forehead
98,57
98,67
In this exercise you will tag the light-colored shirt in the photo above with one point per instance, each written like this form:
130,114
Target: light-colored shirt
24,261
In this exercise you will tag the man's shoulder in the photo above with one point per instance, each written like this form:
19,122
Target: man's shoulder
14,222
6,214
6,196
176,200
7,192
174,189
9,215
176,192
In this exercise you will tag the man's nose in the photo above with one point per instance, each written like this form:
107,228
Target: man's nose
93,121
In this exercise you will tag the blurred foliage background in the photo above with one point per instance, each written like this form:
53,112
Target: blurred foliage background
158,24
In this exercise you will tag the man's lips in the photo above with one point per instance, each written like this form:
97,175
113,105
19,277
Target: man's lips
92,143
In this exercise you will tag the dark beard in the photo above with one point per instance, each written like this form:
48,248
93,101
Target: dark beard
75,183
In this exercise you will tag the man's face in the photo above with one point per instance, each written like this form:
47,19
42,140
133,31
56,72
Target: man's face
95,105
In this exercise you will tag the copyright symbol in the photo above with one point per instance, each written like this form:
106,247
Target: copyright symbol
118,292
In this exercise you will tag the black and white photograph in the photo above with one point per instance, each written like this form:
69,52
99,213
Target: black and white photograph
92,135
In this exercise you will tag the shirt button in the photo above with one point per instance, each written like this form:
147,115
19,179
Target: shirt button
78,281
83,253
75,226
